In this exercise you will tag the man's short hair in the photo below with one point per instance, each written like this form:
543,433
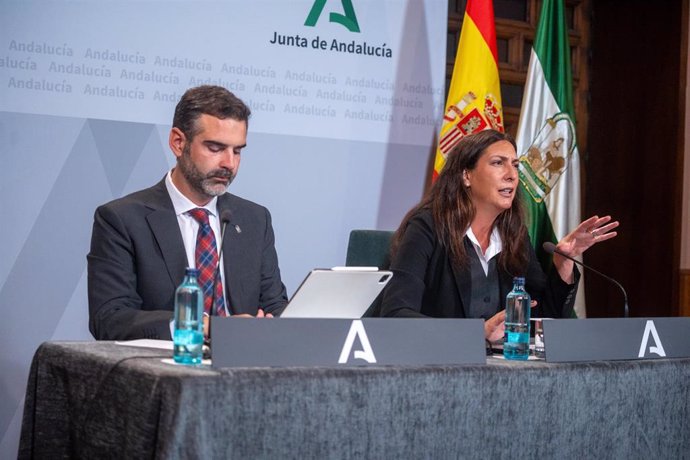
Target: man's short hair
210,100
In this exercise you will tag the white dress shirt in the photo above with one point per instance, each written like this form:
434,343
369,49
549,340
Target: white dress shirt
495,247
190,227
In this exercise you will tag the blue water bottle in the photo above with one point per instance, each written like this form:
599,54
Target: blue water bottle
516,338
188,338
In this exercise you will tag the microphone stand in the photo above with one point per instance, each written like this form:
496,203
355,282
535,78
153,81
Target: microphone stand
551,249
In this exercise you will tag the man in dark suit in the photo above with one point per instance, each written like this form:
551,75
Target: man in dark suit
142,243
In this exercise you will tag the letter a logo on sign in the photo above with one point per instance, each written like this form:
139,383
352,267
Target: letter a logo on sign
367,354
658,349
349,20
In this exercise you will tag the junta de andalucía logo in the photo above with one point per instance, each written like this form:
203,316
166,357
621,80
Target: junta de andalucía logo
348,20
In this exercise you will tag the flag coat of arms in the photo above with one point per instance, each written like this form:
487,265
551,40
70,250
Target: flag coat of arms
546,140
474,96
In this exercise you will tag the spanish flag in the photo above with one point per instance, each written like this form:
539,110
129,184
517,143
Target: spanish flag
474,96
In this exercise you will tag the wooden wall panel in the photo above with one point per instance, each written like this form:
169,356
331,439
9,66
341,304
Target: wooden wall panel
633,147
684,309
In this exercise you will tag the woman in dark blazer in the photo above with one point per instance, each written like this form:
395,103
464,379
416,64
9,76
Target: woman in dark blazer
455,253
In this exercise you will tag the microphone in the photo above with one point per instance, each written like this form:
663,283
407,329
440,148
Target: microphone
225,217
551,248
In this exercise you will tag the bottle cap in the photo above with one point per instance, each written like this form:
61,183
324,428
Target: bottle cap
519,279
189,271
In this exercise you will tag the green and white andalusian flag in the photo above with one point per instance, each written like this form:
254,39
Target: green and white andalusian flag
546,141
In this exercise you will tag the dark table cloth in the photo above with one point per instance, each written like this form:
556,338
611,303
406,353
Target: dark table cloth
103,400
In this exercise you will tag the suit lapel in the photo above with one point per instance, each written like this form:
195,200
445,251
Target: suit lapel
166,231
232,242
463,280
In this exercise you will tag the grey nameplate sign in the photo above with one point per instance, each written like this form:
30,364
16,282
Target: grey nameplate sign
620,338
247,342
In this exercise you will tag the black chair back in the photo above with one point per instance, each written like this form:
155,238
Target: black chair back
370,248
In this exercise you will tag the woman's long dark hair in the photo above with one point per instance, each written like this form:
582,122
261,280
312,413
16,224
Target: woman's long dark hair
452,209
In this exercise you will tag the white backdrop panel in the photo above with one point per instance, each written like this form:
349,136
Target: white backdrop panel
339,139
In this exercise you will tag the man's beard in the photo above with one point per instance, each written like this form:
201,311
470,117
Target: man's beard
203,183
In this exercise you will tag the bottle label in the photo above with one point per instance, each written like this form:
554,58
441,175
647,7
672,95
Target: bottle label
517,337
